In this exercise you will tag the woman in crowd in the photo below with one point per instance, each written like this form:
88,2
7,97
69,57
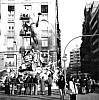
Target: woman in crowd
7,85
61,85
42,85
49,84
72,85
35,85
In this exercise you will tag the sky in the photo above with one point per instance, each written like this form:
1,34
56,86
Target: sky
71,17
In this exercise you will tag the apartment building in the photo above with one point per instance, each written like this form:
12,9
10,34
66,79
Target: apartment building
75,60
90,45
19,16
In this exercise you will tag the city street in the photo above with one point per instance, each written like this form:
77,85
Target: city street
91,96
33,97
55,96
39,55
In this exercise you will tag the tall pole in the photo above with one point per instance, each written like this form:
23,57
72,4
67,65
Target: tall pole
64,60
58,39
76,38
64,55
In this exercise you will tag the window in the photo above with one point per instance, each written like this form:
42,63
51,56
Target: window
10,42
27,42
10,8
11,13
0,19
12,27
28,7
0,11
45,42
44,8
9,27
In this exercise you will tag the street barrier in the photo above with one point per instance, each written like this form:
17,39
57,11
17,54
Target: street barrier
25,89
20,89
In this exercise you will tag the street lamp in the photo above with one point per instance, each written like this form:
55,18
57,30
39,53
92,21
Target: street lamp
64,68
64,55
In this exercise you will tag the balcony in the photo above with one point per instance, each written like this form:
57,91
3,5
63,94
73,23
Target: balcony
23,33
94,16
24,17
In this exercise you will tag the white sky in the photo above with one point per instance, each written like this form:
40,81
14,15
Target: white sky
71,17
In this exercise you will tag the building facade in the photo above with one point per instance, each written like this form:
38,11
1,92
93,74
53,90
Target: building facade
75,64
90,46
0,17
8,34
85,49
30,24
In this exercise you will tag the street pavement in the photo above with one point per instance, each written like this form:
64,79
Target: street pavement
33,97
90,96
55,96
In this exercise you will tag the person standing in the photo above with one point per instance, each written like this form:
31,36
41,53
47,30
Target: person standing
72,85
91,83
78,86
61,85
7,85
83,84
93,86
27,85
31,85
42,84
35,85
13,81
49,84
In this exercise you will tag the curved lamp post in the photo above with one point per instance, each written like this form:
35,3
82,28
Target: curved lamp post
64,58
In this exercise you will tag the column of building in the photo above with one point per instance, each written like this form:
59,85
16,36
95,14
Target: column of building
11,38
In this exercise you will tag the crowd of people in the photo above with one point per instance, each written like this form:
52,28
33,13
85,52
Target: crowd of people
82,85
61,84
75,85
27,84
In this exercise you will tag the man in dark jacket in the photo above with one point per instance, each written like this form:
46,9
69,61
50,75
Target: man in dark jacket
35,85
49,84
61,85
7,85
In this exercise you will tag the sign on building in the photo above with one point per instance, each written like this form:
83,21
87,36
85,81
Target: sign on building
2,61
10,60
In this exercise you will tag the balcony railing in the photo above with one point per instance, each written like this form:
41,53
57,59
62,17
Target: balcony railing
24,17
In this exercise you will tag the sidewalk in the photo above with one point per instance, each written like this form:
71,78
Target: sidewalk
32,97
56,96
90,96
